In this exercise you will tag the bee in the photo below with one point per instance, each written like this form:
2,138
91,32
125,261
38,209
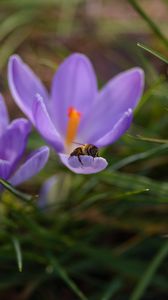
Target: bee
86,149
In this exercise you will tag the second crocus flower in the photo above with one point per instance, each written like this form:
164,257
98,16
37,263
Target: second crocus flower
13,141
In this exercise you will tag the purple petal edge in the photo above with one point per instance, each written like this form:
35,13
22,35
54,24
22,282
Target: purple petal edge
44,125
14,139
117,131
5,169
4,117
24,84
33,165
89,164
119,94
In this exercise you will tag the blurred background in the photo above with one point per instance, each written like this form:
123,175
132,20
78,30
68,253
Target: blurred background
102,236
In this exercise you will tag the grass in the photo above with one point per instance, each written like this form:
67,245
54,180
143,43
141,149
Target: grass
102,236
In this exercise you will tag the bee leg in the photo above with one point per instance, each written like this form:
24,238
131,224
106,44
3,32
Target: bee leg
97,155
80,159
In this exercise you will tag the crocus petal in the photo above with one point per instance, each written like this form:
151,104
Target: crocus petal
45,191
31,166
119,94
45,126
4,118
118,130
24,85
74,85
13,141
5,168
89,164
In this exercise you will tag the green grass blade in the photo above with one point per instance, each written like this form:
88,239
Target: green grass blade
149,21
12,42
15,192
139,156
158,84
113,287
18,251
146,278
14,21
63,274
154,52
135,182
151,140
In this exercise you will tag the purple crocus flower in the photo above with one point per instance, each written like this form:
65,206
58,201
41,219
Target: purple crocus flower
13,140
75,111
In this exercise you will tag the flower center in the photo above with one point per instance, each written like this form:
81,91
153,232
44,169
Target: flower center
73,123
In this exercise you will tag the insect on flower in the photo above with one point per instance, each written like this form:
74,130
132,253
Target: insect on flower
76,110
87,149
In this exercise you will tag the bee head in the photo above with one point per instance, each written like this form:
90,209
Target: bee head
94,151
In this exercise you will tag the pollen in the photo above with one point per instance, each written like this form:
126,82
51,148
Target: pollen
73,123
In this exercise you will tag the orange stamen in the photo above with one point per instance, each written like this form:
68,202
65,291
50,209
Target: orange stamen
73,124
